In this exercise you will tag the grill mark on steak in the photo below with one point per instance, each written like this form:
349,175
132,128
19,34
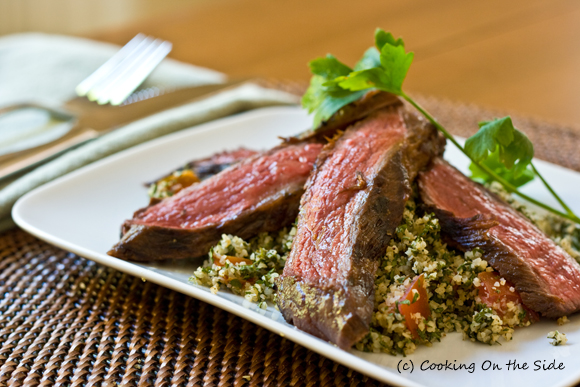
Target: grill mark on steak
546,277
327,288
261,193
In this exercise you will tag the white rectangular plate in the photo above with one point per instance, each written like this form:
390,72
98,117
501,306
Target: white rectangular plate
82,212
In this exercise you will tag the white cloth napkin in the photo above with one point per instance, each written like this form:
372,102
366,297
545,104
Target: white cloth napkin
46,68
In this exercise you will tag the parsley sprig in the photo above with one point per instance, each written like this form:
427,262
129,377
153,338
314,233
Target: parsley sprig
498,151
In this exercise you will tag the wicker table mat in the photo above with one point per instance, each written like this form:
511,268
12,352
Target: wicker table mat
65,320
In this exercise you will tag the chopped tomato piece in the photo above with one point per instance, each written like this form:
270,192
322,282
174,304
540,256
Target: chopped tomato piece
496,293
415,300
219,260
492,292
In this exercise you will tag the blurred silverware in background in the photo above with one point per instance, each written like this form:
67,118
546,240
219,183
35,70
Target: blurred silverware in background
117,78
31,134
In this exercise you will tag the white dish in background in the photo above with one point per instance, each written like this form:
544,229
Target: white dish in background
82,213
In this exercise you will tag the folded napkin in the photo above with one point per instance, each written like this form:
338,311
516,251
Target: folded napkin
46,68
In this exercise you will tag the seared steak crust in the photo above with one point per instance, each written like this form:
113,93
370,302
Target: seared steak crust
142,242
545,276
262,193
354,200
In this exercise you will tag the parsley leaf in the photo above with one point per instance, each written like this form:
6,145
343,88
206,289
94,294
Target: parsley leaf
514,149
371,58
382,37
415,297
364,79
493,163
396,63
389,76
404,302
329,67
319,101
334,84
325,101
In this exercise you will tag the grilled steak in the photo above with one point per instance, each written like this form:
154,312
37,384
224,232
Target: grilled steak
545,276
349,114
261,193
353,202
214,164
194,172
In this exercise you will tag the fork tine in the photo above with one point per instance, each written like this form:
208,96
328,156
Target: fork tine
125,71
138,75
134,70
117,72
83,88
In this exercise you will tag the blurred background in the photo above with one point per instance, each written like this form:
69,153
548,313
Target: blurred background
521,56
79,17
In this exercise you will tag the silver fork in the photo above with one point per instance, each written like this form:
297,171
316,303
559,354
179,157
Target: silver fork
117,78
80,120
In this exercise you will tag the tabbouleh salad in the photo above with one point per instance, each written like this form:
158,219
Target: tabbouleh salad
451,281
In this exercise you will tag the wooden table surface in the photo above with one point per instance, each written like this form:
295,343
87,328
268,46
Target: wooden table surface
519,55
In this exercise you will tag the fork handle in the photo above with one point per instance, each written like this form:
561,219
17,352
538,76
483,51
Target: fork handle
27,160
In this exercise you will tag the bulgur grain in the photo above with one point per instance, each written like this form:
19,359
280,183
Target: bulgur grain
558,338
415,248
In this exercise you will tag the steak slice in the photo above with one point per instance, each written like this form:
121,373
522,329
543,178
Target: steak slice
214,164
353,202
349,114
545,276
194,172
261,193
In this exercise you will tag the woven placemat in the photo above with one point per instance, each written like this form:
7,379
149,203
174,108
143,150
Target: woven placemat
65,320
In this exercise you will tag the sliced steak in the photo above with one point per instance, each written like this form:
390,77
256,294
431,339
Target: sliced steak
214,164
349,114
545,276
194,172
261,193
353,202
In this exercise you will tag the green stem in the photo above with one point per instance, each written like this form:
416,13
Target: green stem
564,206
487,170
